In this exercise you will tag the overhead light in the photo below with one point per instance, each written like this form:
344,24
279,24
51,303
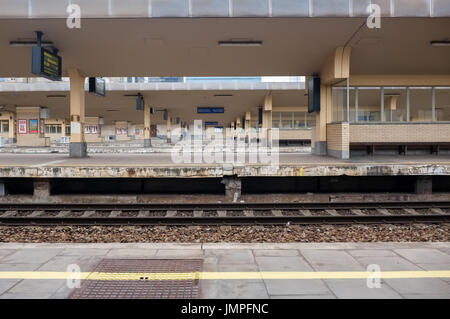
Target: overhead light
445,43
29,43
240,43
56,96
223,95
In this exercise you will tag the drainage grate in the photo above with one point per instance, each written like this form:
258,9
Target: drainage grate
141,286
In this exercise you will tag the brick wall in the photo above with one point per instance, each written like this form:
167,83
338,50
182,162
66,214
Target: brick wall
30,139
393,133
295,134
338,136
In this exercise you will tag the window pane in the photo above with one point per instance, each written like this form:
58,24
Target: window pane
311,120
420,105
286,120
369,104
5,126
276,119
443,104
339,103
395,104
299,120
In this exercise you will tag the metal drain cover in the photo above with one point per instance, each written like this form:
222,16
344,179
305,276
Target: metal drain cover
115,283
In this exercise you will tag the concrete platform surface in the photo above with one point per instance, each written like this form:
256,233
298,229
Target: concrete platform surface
254,271
162,165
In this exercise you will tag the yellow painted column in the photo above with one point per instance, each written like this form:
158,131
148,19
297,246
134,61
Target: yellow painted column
322,119
77,146
267,119
267,126
169,129
147,122
12,129
238,127
248,115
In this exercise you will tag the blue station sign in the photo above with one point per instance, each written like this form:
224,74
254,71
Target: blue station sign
210,110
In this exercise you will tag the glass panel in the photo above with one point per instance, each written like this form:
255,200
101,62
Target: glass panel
339,103
5,126
421,104
369,104
352,115
276,119
443,104
395,104
299,120
311,120
286,120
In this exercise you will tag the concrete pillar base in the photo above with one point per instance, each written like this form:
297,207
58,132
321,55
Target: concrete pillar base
423,185
339,154
41,190
320,148
78,149
147,143
233,187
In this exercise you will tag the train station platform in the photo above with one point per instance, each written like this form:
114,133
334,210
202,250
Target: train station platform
252,271
158,165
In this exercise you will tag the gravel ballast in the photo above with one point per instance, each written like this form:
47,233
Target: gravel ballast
213,234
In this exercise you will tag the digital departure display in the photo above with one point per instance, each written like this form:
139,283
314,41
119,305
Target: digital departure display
46,64
97,86
314,94
139,102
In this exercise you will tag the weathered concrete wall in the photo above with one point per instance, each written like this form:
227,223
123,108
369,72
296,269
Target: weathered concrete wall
227,170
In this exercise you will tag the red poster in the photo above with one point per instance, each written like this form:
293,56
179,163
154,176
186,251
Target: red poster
22,126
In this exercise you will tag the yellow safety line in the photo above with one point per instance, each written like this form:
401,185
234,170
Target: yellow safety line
224,275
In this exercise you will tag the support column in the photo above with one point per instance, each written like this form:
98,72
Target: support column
433,104
238,125
12,130
248,126
169,133
233,187
41,191
77,146
423,185
267,121
335,68
147,122
322,118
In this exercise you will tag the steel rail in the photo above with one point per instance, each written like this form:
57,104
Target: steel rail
225,206
279,219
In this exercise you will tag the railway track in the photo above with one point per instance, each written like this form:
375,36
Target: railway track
224,213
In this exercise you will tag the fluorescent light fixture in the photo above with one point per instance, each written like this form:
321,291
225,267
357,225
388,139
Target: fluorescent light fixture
223,95
445,43
56,96
25,43
240,43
